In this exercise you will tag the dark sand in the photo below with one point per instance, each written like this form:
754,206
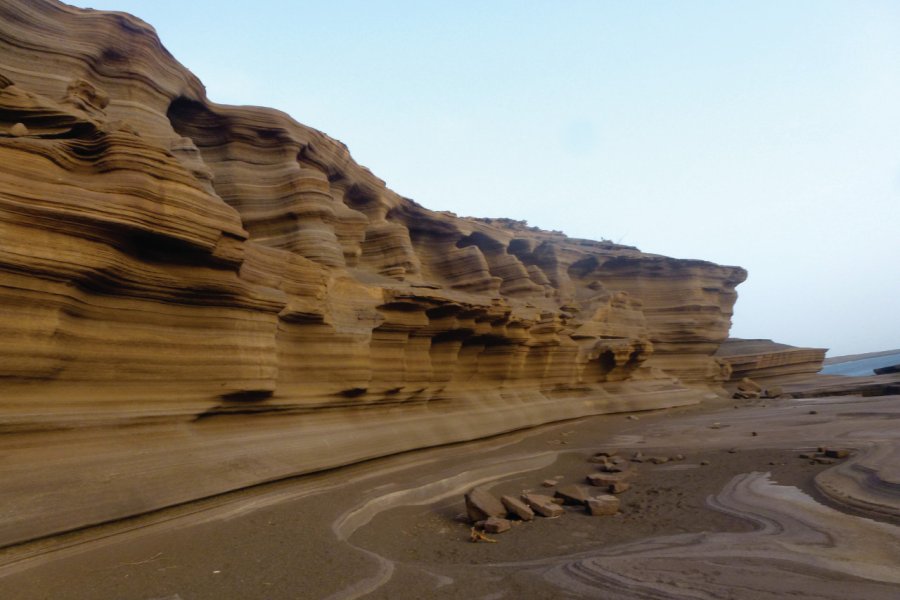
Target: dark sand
391,528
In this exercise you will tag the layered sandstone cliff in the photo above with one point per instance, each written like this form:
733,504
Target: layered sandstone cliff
764,359
252,304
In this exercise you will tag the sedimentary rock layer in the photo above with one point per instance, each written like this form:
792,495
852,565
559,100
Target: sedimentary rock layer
765,359
255,304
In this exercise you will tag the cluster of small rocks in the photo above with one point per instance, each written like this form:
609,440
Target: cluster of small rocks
494,515
489,514
748,389
825,456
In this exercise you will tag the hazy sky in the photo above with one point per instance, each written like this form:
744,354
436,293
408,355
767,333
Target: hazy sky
761,134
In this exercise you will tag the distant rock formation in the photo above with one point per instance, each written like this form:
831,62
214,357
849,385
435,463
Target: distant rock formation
765,359
253,304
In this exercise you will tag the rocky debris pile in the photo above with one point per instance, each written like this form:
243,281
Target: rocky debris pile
748,389
598,495
489,514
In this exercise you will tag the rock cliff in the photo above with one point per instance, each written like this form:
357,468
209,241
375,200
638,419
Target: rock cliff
196,298
764,359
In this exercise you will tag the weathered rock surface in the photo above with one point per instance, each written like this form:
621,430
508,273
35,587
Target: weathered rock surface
481,505
496,525
608,479
765,359
603,505
253,304
543,505
574,493
518,508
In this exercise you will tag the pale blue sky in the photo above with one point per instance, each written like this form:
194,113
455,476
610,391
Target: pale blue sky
762,134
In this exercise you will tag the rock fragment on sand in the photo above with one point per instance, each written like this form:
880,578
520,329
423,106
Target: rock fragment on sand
618,487
837,453
614,465
548,482
603,505
496,525
574,493
517,507
773,392
748,385
603,456
481,505
543,505
606,479
658,460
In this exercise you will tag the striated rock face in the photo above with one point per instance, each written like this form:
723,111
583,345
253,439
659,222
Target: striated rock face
253,304
765,359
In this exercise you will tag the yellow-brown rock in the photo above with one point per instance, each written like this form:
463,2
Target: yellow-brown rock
765,359
196,298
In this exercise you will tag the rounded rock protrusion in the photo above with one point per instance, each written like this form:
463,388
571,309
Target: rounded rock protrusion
18,130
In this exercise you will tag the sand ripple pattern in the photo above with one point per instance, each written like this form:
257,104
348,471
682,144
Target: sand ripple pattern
805,549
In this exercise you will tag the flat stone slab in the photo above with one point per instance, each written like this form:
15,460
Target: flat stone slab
496,525
574,493
607,479
517,507
603,505
543,505
481,505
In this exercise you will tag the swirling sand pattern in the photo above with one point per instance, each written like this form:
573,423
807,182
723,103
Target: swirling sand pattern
805,550
868,482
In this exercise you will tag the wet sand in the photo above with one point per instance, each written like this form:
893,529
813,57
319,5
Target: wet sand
750,524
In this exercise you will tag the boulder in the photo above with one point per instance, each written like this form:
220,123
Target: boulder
481,505
517,507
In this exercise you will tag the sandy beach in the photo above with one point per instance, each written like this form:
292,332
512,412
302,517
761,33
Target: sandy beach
751,523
